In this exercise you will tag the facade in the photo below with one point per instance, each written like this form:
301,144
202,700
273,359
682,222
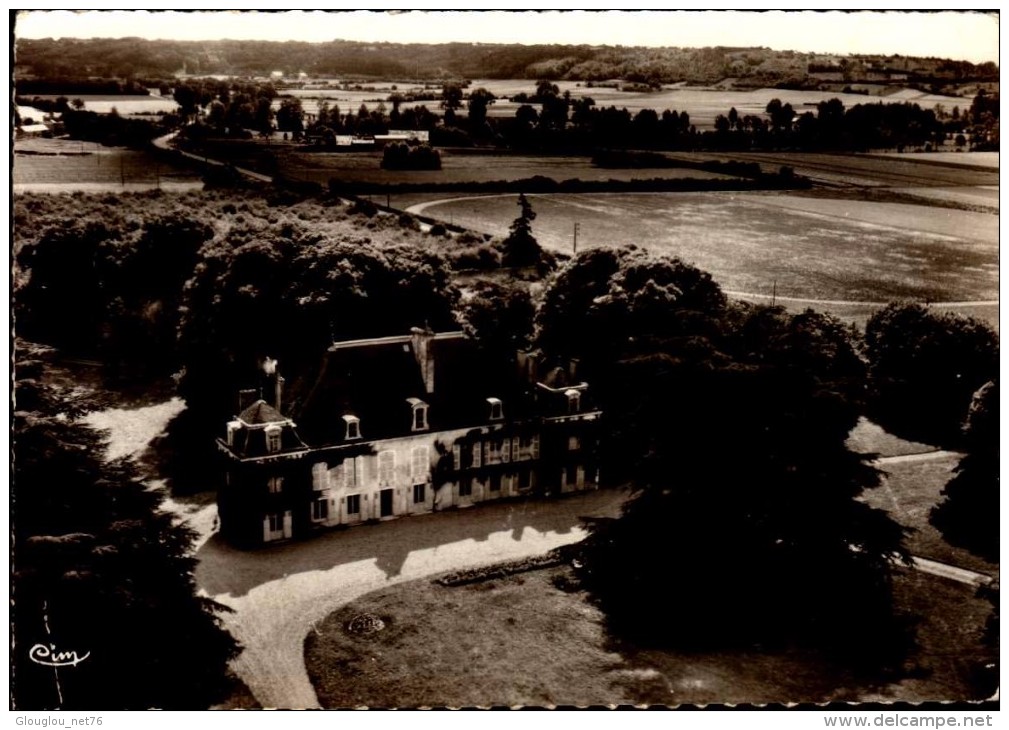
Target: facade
398,426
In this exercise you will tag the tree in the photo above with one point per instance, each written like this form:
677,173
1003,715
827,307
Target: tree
291,117
746,518
969,514
479,100
924,369
101,569
499,317
520,248
609,303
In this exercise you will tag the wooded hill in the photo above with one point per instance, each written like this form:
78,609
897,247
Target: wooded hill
135,57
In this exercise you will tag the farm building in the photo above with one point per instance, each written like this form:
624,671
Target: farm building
397,426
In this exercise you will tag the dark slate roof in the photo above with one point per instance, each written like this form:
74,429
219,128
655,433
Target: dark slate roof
261,412
373,380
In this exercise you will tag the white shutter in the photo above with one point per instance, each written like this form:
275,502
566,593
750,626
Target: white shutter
386,467
477,453
456,457
516,449
420,466
506,450
534,447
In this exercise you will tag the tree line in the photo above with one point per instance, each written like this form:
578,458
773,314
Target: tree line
755,67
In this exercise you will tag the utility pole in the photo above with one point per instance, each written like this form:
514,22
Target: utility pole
574,243
774,292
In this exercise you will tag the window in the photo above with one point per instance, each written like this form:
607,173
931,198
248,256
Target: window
354,504
419,493
534,447
571,475
506,450
320,510
353,427
574,400
419,414
275,485
477,454
496,409
517,449
523,480
574,443
275,522
386,467
272,439
320,477
465,487
456,457
350,472
495,482
420,464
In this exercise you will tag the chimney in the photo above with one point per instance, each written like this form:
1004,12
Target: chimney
420,341
274,378
246,398
278,390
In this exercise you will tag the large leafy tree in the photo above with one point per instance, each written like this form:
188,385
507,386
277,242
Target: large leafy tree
925,367
100,569
287,293
731,422
969,514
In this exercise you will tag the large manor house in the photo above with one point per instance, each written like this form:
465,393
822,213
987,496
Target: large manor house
397,426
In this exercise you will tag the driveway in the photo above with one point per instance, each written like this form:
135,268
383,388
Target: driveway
279,593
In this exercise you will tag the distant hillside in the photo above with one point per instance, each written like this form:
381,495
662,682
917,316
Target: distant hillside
138,58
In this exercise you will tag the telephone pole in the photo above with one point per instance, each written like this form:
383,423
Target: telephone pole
574,243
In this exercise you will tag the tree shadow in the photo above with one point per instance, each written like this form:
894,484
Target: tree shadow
224,569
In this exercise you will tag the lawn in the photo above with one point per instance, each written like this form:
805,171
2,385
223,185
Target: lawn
466,167
53,165
805,248
522,641
909,491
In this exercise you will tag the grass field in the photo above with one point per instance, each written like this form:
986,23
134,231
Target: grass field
55,165
521,641
123,103
808,248
465,167
703,104
875,170
910,490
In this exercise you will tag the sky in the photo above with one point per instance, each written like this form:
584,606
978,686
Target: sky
971,36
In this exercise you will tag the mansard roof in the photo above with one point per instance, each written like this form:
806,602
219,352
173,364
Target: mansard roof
374,380
260,413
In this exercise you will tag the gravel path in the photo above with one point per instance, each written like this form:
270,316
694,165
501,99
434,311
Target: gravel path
279,593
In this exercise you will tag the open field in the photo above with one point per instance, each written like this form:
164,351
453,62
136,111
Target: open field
844,252
466,167
56,165
703,104
910,489
461,646
865,170
975,159
125,104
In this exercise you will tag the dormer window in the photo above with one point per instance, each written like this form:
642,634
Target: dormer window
496,409
574,400
273,439
419,421
352,427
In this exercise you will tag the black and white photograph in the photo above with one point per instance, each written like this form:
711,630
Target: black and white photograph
561,359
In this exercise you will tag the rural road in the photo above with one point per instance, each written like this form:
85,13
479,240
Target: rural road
162,143
279,593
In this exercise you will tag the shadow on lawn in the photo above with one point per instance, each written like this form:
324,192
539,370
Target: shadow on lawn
387,545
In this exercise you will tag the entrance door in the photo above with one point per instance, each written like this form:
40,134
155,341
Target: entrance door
386,502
